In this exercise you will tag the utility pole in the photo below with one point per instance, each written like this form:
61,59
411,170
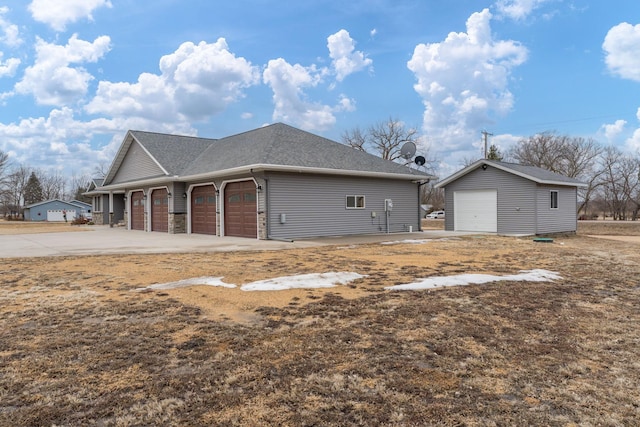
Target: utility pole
485,135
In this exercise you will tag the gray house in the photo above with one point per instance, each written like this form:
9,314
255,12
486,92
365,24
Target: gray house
275,182
54,210
508,198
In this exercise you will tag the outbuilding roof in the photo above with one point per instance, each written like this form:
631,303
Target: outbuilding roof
532,173
73,203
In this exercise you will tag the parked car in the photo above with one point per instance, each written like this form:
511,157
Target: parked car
436,215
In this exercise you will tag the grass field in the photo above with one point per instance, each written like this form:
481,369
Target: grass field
79,345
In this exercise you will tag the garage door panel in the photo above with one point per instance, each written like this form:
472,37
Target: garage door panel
240,209
203,210
160,210
137,210
476,211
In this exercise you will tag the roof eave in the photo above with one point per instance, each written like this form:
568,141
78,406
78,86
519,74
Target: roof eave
308,170
481,162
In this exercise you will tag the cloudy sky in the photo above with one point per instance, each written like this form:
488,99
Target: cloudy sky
75,75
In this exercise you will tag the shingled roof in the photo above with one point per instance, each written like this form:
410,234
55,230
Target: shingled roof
274,147
285,146
532,173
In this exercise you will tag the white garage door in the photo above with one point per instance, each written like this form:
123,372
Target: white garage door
58,215
475,211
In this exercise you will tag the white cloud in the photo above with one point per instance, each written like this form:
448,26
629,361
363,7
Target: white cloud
60,141
8,67
463,82
58,13
612,131
621,46
9,33
52,80
207,77
345,59
196,81
633,142
517,9
287,82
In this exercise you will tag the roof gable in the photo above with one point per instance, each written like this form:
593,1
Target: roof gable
163,154
532,173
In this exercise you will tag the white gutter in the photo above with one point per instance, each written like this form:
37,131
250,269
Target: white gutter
299,169
260,168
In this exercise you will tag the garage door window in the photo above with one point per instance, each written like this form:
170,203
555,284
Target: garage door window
554,199
355,202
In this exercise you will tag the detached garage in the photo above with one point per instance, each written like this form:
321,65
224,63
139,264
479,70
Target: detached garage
55,210
507,198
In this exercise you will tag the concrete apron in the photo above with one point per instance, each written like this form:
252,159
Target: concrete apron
102,240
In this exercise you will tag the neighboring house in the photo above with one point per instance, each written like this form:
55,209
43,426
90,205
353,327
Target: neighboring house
53,210
275,182
507,198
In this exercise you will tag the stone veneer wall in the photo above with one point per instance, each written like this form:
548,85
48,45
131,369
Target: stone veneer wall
262,226
98,218
177,223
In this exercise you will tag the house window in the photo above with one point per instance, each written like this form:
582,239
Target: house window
554,199
355,202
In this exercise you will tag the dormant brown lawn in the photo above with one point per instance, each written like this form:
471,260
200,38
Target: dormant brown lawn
80,346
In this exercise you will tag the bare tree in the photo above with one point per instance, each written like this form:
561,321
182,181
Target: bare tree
574,157
79,184
620,184
354,138
101,170
15,183
384,139
432,196
52,184
4,164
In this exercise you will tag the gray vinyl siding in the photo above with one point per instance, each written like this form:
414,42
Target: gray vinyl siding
315,205
39,212
516,200
118,208
560,220
178,203
136,165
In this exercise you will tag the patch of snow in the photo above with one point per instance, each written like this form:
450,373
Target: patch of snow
206,280
302,281
537,275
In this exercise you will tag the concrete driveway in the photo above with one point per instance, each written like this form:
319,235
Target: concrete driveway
101,240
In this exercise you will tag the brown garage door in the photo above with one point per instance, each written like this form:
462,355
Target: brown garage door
137,210
160,210
203,210
240,209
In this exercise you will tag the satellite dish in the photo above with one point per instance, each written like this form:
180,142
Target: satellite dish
408,150
420,160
